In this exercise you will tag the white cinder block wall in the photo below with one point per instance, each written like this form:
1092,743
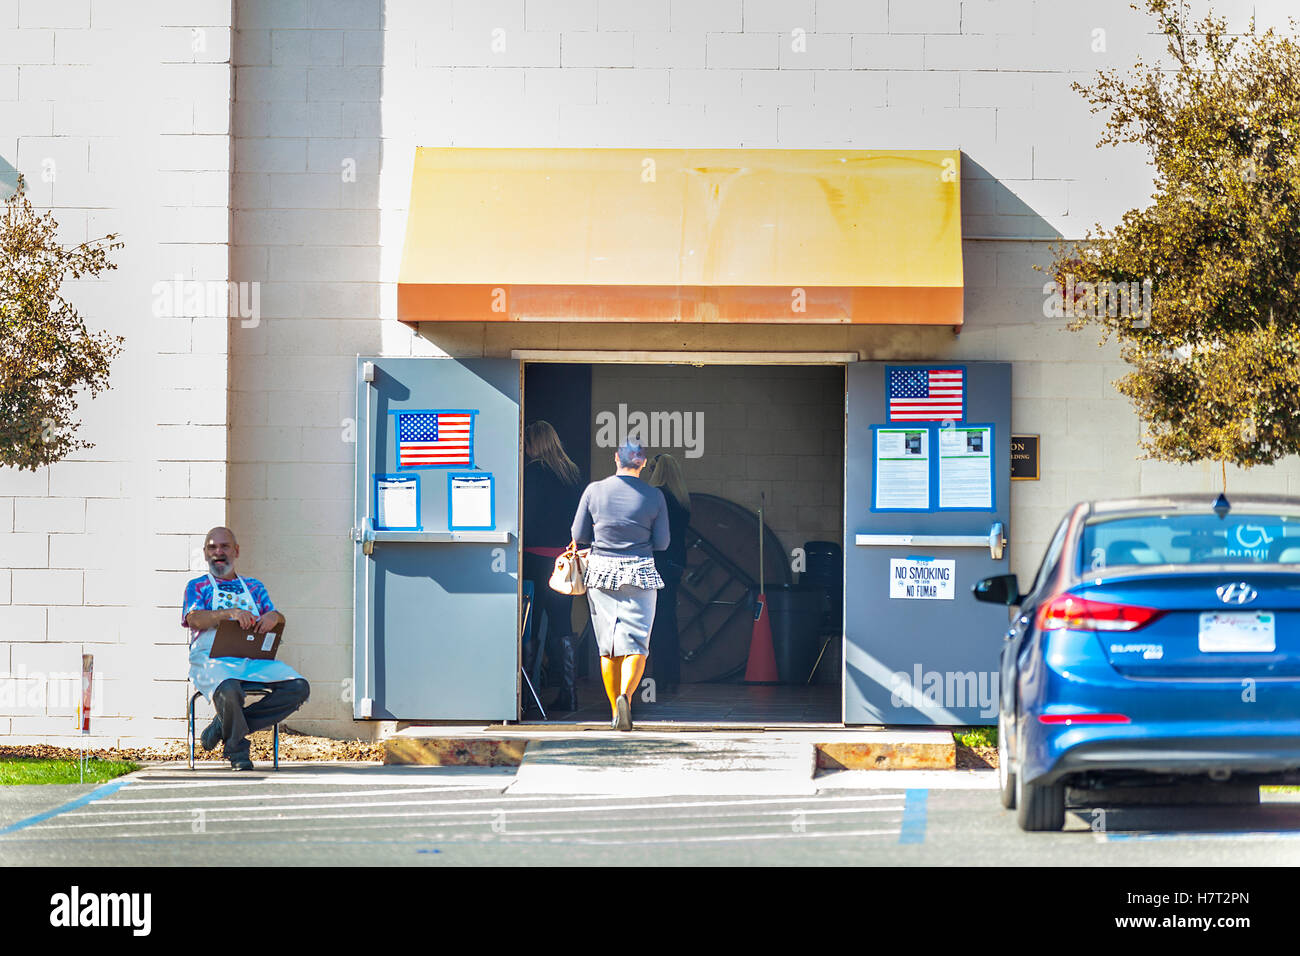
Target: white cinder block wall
330,98
118,116
306,227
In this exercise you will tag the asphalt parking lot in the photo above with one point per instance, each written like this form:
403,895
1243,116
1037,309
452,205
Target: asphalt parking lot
331,815
415,816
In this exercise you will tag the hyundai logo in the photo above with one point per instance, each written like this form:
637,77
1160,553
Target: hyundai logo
1238,593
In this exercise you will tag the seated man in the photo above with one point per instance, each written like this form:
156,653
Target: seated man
222,595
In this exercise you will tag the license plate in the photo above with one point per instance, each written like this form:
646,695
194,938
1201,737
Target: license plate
1237,632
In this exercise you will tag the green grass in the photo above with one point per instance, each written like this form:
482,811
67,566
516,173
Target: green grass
31,770
976,736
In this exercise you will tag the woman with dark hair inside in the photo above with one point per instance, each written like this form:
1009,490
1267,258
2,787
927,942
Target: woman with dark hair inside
666,661
626,521
551,483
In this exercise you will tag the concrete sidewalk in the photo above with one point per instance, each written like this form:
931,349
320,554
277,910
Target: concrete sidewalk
326,772
604,765
665,764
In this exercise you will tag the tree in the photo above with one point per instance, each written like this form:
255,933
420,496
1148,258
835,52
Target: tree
47,355
1213,338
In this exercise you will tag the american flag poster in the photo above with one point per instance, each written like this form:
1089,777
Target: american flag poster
435,439
926,394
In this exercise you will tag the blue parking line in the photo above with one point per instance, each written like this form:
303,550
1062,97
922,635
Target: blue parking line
913,828
106,790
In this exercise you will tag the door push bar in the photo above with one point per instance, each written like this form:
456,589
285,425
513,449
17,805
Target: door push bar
369,537
995,540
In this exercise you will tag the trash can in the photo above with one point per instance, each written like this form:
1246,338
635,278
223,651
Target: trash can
796,617
825,569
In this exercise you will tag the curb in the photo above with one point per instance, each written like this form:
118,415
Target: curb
869,750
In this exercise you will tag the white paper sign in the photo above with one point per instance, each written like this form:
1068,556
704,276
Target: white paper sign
965,467
902,468
922,579
471,502
397,502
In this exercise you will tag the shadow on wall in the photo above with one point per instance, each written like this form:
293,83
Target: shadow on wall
990,208
1004,238
305,198
8,177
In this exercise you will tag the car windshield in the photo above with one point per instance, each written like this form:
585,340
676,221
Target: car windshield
1190,538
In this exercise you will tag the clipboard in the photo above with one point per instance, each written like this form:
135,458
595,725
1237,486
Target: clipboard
231,640
397,503
471,501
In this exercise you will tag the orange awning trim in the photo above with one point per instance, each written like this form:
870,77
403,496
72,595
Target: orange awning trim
611,303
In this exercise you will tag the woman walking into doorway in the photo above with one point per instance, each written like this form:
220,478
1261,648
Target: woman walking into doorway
550,495
625,521
666,474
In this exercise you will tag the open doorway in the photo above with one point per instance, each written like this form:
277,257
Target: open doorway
745,437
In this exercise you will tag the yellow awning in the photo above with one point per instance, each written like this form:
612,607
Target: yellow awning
684,235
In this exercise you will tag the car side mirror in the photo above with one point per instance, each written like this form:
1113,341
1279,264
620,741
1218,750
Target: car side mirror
999,589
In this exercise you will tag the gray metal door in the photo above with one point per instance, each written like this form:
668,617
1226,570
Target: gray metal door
927,476
436,539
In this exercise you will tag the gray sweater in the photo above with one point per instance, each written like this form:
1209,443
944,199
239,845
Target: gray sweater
622,517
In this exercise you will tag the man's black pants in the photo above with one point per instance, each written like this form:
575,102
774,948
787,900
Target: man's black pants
238,721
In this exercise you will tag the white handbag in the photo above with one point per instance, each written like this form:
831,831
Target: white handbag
570,567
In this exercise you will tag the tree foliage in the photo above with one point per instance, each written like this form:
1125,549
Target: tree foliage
1215,366
47,355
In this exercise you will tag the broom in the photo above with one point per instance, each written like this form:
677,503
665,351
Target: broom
761,667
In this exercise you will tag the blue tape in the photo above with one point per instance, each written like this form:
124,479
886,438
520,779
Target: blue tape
913,828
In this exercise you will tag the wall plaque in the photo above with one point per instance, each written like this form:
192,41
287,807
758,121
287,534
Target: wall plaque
1024,457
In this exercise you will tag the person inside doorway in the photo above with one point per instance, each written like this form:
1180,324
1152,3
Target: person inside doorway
625,521
666,660
551,483
222,595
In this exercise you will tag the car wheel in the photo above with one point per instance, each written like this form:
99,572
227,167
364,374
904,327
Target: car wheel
1038,806
1006,779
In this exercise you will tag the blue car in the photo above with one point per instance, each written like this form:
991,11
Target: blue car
1158,645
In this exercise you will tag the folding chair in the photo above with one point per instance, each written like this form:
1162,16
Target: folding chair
275,728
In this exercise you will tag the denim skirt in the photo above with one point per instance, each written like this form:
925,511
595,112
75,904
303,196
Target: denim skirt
622,618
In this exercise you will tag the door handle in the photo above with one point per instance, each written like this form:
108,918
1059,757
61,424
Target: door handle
369,537
997,541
